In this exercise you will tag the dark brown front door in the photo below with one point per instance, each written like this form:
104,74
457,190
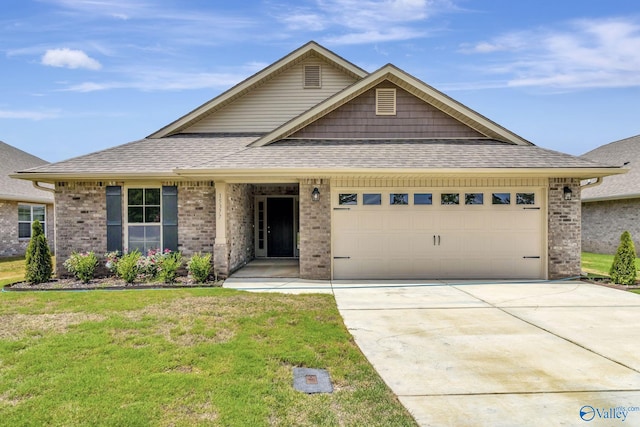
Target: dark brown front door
280,227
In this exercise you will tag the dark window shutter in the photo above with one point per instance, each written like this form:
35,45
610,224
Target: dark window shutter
170,217
114,218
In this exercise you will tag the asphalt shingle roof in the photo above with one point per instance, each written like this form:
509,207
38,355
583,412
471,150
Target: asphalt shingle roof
624,153
11,161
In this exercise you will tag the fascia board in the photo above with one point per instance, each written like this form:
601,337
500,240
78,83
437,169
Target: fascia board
252,81
52,178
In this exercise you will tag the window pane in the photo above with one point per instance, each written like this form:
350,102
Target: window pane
371,199
474,199
135,214
135,196
525,199
152,214
422,199
450,199
38,213
348,199
501,198
24,230
24,213
399,199
152,196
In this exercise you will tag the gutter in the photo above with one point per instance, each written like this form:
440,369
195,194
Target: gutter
597,182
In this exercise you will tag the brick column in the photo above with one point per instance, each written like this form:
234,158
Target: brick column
315,230
564,228
221,250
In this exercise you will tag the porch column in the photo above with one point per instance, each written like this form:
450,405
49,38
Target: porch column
221,246
315,230
564,228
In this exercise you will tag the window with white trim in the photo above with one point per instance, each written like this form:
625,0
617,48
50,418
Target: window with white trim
27,214
144,222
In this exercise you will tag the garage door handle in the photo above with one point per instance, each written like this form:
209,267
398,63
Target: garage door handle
341,257
341,209
434,240
531,209
531,257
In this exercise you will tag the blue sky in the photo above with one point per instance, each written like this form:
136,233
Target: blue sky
84,75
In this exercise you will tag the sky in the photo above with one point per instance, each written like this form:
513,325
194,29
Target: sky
78,76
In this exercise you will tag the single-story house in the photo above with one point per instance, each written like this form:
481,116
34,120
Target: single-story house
21,203
354,174
612,205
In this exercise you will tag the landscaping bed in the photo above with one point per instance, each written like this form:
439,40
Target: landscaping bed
107,283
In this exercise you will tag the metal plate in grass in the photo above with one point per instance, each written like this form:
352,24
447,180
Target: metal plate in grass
312,380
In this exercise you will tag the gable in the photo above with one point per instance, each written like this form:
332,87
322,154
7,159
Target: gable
412,118
278,100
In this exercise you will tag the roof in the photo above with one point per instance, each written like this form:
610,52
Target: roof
12,160
623,153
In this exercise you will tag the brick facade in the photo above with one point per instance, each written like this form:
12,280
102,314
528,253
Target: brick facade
10,244
315,231
196,217
603,223
240,225
564,229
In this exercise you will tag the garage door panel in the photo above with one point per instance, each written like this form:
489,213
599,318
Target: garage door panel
369,221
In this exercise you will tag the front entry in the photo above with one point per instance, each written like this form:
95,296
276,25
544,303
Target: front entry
276,227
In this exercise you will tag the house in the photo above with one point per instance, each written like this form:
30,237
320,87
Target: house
612,205
21,203
354,174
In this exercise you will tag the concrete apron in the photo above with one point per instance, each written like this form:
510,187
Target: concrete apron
500,354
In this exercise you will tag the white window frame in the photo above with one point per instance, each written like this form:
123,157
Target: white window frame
125,215
30,222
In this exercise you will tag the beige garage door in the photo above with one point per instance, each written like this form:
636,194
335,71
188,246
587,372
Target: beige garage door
451,234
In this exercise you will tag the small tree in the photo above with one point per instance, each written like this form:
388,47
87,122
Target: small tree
39,268
623,269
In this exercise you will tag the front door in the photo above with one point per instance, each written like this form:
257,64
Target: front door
280,226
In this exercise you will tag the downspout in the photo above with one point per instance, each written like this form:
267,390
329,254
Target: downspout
37,185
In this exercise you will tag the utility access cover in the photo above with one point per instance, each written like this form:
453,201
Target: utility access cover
312,380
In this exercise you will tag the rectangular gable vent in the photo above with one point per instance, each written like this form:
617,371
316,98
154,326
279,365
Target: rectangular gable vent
386,102
312,76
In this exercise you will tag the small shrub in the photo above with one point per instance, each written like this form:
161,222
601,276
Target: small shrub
38,268
199,267
149,264
82,265
168,266
623,270
112,261
127,267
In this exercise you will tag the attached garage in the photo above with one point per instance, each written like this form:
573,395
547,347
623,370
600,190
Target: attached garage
444,232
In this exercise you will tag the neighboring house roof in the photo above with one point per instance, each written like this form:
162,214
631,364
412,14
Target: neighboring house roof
624,153
12,160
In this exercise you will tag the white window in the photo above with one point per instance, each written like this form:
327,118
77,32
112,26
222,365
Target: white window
144,222
26,215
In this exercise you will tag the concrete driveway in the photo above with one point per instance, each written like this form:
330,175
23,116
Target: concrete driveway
502,354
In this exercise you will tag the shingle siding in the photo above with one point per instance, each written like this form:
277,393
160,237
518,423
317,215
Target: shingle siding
603,222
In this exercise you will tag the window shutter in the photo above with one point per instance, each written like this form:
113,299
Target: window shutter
386,102
114,218
312,76
170,217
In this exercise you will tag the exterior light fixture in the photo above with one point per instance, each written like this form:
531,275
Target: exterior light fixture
567,193
315,194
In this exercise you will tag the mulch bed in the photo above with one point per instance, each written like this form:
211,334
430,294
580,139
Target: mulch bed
107,283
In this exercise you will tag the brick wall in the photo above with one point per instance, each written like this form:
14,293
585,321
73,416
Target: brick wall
10,244
564,229
604,222
80,220
315,231
196,217
240,225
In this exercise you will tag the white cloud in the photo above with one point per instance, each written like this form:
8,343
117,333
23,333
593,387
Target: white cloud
69,58
28,115
586,53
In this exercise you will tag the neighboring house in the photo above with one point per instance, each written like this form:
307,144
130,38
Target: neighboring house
21,203
356,174
613,205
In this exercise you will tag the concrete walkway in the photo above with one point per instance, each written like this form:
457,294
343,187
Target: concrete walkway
499,354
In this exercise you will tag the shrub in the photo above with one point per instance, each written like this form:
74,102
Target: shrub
168,266
82,266
112,261
39,268
199,267
127,267
623,269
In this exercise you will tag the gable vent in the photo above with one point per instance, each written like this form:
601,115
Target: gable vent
386,102
312,76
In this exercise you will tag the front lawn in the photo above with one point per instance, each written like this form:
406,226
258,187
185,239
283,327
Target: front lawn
599,264
11,270
182,358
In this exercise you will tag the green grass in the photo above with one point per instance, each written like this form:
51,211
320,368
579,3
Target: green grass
11,270
599,264
182,358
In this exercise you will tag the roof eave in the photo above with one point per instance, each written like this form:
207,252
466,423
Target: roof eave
52,177
26,199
